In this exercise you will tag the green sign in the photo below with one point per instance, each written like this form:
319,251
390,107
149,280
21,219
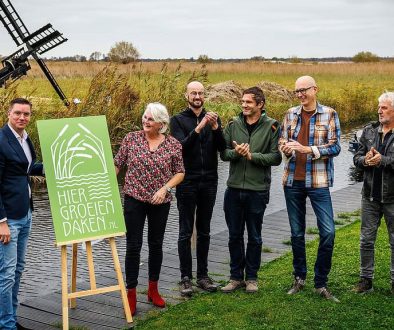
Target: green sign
82,186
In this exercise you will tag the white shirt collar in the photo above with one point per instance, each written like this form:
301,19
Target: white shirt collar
24,135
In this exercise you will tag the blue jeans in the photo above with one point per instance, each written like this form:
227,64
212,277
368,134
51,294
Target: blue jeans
244,207
296,208
12,263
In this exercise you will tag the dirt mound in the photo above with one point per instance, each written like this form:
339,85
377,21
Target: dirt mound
228,91
275,92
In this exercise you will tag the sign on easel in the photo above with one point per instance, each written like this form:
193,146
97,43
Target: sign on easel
84,196
82,186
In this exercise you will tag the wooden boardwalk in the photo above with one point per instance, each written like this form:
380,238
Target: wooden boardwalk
106,312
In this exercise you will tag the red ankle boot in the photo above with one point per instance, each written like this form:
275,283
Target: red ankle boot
154,295
132,298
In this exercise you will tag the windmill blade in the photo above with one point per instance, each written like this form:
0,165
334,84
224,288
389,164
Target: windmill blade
44,39
12,22
39,42
51,79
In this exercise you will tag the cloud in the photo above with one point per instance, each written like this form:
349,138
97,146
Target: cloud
219,28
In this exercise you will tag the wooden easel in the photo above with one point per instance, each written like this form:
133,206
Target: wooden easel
93,287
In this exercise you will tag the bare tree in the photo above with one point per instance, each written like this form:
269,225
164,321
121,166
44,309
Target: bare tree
95,56
123,52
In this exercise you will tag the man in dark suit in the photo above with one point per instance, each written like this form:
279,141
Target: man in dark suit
17,163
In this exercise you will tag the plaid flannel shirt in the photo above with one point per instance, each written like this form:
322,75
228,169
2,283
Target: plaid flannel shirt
324,139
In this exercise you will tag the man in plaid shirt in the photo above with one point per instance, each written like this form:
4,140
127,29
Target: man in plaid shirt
310,135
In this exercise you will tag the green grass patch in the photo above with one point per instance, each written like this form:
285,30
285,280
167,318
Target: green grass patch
312,230
349,215
216,274
272,308
339,222
267,249
286,242
71,327
344,215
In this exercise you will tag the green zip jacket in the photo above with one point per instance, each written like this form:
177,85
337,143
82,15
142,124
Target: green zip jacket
254,174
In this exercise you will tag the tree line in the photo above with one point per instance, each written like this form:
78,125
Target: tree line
125,52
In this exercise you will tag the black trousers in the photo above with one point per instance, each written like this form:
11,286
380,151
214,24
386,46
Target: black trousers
135,213
195,198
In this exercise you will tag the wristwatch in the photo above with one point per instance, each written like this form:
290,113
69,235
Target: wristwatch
168,188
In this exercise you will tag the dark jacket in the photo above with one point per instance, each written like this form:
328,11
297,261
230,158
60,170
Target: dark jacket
254,174
200,151
370,138
14,176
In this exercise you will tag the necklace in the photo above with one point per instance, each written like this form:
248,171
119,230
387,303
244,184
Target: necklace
154,144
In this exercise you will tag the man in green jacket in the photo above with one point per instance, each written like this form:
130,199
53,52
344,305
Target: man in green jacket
252,148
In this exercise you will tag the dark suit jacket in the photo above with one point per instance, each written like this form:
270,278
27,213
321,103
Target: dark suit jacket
14,176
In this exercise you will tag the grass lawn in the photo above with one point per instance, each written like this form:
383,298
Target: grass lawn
272,308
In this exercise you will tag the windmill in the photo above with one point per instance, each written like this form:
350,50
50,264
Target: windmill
17,64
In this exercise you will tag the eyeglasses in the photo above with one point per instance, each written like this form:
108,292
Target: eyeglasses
194,93
302,90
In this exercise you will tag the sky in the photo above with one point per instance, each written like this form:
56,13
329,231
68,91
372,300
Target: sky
163,29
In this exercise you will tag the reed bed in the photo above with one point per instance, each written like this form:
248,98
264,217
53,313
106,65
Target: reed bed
121,92
90,69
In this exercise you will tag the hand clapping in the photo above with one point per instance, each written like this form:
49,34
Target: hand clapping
373,157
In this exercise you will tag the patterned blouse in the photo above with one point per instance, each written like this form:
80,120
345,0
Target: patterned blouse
148,171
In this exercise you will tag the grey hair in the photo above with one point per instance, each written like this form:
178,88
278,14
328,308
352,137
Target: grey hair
160,115
387,96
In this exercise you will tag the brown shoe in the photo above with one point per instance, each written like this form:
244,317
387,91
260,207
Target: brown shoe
207,284
298,285
233,285
185,287
251,286
323,292
363,286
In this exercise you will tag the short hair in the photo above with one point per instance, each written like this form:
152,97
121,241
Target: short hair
19,100
160,115
257,93
387,96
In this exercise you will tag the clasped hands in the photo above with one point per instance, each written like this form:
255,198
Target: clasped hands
210,118
242,149
293,146
373,157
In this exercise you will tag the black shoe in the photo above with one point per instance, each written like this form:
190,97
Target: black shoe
185,287
363,286
207,284
21,327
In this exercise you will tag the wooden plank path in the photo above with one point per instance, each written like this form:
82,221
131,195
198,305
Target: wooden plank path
106,312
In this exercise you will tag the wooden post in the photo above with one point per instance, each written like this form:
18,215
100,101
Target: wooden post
64,287
73,301
92,275
118,271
